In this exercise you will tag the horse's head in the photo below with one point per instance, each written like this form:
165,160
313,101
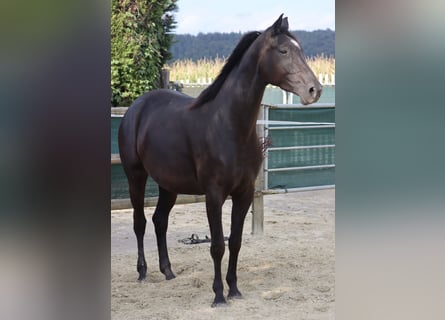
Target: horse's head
282,63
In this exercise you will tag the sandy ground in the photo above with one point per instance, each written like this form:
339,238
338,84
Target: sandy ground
287,273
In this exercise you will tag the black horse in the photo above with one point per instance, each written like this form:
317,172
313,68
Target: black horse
209,145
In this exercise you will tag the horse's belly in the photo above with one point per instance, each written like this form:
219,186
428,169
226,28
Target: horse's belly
179,179
179,185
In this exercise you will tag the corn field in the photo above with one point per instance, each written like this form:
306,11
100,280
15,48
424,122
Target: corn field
205,70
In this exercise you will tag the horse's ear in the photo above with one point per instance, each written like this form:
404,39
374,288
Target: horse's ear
281,25
284,25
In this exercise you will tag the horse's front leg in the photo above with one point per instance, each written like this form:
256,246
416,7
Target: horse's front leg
214,202
241,204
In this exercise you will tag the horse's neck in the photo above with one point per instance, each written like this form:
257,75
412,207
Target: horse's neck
245,90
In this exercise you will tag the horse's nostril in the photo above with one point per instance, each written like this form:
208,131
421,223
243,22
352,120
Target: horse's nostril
312,91
315,92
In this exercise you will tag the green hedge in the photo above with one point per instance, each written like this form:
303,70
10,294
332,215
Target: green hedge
140,43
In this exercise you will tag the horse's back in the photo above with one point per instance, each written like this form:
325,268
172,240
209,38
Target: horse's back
150,107
153,100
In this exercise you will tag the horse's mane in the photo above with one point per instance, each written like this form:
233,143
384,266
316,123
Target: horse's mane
211,91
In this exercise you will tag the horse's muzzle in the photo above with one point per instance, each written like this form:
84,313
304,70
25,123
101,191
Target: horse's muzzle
315,92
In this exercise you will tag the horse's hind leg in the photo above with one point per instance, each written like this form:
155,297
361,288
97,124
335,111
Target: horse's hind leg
241,204
137,179
166,201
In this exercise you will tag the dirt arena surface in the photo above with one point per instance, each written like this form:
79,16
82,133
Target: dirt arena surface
287,273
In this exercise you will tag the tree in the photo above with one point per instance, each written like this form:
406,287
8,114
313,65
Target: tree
141,36
212,45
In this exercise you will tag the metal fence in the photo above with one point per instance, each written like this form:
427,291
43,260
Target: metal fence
301,146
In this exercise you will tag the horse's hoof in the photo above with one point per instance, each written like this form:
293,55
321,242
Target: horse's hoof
169,276
219,302
141,277
234,294
168,273
142,270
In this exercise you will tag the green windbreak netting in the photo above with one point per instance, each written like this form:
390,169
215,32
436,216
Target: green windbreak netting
115,122
119,184
301,137
320,151
303,114
301,179
300,158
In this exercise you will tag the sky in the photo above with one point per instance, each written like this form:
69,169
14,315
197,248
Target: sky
194,16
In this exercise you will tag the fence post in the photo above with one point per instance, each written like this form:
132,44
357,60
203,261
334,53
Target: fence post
258,203
284,93
165,78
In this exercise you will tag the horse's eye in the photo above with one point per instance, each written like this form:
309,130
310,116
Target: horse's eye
283,51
